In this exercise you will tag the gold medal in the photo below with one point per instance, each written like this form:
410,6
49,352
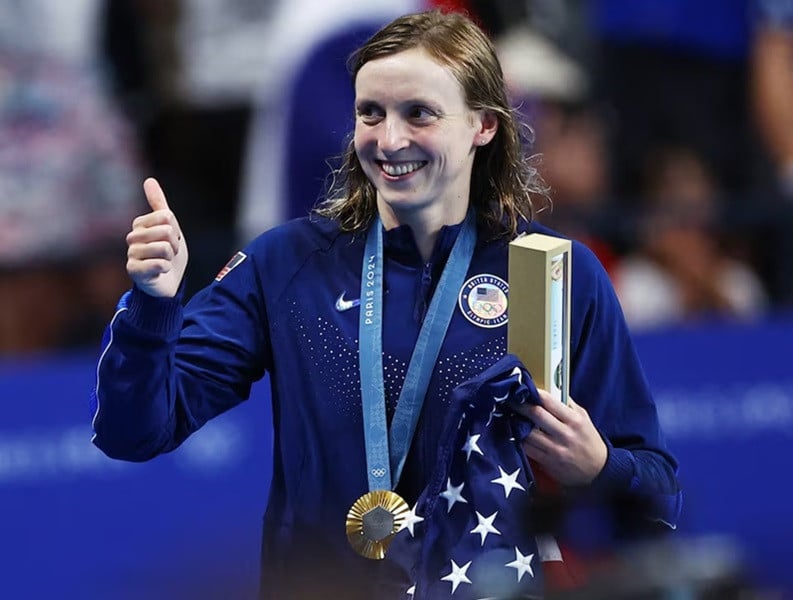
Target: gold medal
373,521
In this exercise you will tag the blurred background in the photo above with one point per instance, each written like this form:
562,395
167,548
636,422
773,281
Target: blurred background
666,134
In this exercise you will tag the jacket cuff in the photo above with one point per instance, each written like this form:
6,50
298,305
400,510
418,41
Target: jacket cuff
618,472
161,317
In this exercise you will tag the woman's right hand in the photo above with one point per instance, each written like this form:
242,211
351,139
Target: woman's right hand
156,248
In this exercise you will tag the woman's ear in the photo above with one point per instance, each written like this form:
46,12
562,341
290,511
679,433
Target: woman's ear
488,126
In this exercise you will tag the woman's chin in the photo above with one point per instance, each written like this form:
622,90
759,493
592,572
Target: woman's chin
399,203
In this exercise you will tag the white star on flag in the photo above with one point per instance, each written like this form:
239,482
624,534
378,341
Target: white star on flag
493,414
517,371
411,519
457,576
521,563
453,494
509,482
411,590
471,446
485,526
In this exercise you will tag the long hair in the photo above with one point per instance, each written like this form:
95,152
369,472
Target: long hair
503,178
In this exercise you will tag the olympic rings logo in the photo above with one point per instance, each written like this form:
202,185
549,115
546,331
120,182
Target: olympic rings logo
488,308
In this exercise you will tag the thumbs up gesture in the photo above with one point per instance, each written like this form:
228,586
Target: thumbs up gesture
156,248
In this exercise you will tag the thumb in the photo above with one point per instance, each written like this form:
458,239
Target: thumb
154,194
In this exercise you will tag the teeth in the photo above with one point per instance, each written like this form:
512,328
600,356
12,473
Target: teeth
396,169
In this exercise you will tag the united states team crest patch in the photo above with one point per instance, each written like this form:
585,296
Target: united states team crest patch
235,261
483,300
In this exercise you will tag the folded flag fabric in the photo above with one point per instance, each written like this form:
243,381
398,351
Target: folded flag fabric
470,534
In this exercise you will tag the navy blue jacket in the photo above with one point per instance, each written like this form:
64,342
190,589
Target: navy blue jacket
166,370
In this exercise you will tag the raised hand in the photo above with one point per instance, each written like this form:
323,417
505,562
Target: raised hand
156,248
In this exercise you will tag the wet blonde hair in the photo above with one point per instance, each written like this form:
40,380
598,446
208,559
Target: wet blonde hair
503,178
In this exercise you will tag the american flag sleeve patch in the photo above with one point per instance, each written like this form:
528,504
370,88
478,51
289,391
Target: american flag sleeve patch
234,262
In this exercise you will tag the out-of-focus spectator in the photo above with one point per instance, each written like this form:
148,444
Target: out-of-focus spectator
66,30
771,87
679,271
564,23
772,84
551,88
537,70
674,72
189,73
68,165
575,165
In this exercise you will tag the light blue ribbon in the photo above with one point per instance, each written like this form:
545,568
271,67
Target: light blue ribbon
386,454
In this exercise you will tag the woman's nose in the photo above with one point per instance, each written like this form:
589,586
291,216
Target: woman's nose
393,135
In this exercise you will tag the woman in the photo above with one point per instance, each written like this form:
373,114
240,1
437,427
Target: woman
432,189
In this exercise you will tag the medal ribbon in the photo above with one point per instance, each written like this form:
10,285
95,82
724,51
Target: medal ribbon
386,453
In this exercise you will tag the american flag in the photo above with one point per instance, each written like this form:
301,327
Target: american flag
234,262
469,536
487,294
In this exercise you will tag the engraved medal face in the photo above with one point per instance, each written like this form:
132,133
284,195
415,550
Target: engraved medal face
374,520
377,524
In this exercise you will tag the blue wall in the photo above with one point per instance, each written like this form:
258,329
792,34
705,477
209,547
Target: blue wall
74,524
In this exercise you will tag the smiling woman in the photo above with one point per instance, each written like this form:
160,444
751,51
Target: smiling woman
461,96
416,140
397,420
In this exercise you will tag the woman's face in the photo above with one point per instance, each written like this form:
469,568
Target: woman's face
415,137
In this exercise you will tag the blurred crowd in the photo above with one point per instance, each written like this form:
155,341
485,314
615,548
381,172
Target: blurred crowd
664,129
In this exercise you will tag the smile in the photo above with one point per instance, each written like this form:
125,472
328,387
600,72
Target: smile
402,168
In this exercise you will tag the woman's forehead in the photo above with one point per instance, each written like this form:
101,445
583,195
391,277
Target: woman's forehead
404,74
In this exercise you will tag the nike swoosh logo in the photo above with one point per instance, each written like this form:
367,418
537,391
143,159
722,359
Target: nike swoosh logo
343,305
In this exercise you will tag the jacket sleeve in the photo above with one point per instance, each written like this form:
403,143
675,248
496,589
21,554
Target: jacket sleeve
164,371
608,380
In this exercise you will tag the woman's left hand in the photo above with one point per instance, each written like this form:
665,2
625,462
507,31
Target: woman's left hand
564,441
